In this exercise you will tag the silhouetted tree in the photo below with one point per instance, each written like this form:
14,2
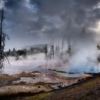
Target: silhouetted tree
25,53
9,52
69,49
98,59
31,50
46,50
14,52
98,47
2,39
52,51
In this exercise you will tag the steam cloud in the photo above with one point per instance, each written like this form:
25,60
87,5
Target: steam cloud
40,21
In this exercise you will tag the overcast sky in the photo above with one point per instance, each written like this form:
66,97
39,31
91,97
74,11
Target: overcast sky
30,22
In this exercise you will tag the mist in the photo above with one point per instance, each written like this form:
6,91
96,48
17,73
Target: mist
76,22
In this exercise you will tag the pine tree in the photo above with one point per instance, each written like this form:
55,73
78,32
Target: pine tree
9,52
14,52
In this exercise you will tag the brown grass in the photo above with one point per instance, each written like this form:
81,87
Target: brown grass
44,84
23,74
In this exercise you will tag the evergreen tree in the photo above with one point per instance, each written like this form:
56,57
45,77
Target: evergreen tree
25,53
14,52
9,52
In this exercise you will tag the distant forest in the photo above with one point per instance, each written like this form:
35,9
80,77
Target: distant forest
24,52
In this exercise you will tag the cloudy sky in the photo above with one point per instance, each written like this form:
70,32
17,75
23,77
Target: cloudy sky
30,22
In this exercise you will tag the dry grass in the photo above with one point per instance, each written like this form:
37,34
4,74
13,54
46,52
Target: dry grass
44,84
7,79
23,74
35,72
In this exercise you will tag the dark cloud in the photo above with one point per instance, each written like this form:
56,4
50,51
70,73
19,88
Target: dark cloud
86,3
13,4
52,7
43,19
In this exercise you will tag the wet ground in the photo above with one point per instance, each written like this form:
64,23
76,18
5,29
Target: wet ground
36,81
32,75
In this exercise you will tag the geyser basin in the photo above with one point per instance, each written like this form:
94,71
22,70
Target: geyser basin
39,63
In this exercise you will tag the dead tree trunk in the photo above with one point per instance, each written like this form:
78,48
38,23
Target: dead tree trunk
2,39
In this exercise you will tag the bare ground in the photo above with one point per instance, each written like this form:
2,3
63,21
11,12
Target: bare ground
87,90
13,88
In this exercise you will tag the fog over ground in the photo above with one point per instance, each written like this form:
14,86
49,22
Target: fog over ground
31,22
